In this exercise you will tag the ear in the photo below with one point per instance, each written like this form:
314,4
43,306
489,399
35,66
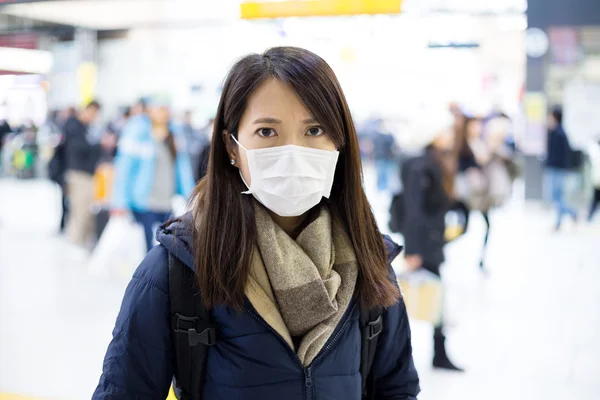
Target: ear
230,145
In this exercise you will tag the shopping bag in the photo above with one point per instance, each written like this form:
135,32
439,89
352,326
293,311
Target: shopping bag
456,221
422,292
120,249
471,186
103,179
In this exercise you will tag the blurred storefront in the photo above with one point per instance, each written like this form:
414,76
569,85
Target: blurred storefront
431,51
566,71
23,87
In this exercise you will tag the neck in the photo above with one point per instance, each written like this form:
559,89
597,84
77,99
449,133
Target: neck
290,225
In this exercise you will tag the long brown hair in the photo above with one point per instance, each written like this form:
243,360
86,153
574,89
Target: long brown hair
224,219
170,141
462,138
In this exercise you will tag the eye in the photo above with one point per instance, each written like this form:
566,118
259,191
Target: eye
315,131
266,132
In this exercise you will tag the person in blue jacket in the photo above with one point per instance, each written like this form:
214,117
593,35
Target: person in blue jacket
285,251
152,165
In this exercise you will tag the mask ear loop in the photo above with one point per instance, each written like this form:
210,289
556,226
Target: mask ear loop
238,143
249,191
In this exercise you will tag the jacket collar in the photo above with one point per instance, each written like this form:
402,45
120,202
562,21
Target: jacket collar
176,235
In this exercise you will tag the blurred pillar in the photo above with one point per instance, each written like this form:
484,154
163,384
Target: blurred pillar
86,43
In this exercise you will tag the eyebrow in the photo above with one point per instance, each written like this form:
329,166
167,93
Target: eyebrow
268,120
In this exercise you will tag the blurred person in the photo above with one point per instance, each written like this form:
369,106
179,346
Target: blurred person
557,166
114,129
82,156
202,162
5,130
383,153
427,180
471,183
65,115
152,166
290,264
495,158
57,168
139,107
195,139
25,158
187,127
594,155
117,125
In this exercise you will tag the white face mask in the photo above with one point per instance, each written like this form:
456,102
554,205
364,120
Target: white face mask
290,180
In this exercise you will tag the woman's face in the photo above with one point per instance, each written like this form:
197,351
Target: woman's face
159,114
474,129
444,141
275,116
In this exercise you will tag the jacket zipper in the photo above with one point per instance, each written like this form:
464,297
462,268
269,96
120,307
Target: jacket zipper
329,345
308,380
308,383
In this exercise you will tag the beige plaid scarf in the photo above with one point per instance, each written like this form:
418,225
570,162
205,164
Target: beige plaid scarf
302,287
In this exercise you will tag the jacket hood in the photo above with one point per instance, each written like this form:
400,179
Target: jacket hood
176,236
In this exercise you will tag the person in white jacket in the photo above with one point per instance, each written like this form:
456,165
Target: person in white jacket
594,154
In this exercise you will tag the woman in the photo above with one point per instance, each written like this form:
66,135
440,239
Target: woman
285,249
472,186
152,165
428,183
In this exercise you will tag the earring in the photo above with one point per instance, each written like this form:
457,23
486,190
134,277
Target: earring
232,161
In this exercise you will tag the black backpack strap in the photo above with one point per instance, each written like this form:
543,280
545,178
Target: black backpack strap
192,331
371,326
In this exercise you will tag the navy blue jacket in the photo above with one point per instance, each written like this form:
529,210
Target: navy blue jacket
81,155
425,207
559,151
248,362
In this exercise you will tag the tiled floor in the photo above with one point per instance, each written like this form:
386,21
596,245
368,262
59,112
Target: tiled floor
530,329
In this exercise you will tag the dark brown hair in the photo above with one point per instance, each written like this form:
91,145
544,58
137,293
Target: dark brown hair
462,138
224,218
170,142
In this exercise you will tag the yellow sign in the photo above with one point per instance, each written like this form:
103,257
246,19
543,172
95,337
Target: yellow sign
535,106
316,8
86,79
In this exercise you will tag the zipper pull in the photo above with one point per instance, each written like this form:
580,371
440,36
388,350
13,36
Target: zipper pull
308,376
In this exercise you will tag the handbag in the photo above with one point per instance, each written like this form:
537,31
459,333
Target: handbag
471,186
422,292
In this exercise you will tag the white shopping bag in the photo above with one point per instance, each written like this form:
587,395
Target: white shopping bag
120,249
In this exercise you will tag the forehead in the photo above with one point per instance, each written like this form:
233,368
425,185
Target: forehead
274,98
158,108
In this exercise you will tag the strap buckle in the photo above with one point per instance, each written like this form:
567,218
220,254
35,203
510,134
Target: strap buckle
188,325
374,328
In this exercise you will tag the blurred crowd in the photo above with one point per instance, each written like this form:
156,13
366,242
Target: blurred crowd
143,156
135,163
438,168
